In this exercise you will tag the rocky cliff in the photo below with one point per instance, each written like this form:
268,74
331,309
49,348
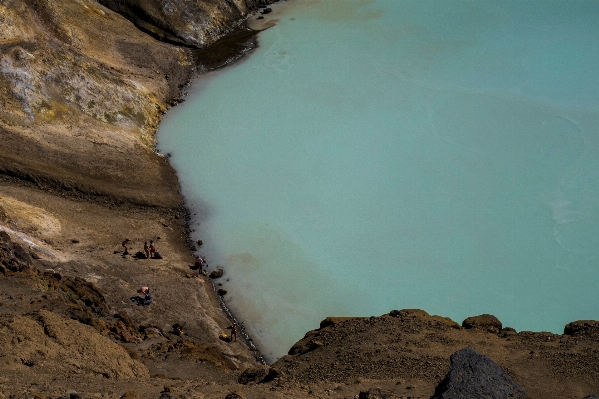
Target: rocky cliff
186,22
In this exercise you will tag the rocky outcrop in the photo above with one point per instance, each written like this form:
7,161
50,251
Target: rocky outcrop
48,343
484,321
81,93
583,327
472,375
12,256
258,375
186,22
408,347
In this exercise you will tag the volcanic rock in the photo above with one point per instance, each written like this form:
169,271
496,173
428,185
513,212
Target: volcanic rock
217,273
487,321
472,375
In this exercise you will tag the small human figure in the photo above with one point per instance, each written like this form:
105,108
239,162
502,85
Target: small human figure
124,244
233,336
147,250
199,264
147,299
152,249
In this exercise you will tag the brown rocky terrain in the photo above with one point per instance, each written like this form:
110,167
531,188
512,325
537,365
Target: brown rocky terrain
82,90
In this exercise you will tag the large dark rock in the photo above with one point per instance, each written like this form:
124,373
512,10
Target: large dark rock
196,23
374,393
589,328
217,273
235,395
486,321
258,375
472,375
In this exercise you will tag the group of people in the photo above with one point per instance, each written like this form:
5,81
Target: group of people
146,298
149,250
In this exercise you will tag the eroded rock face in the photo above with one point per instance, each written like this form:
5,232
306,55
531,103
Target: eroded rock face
12,256
191,22
472,375
80,86
49,343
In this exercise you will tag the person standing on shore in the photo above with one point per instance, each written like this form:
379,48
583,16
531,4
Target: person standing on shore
199,264
152,249
233,336
125,244
147,250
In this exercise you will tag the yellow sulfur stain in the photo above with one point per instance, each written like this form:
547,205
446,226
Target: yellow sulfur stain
28,218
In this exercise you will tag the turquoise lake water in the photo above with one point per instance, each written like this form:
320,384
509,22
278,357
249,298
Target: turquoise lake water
389,154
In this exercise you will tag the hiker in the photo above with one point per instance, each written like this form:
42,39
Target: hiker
147,250
199,264
233,336
124,244
152,249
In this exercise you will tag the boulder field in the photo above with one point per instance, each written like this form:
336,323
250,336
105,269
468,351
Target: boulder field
83,87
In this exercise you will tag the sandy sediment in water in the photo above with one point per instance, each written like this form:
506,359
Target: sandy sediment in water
83,90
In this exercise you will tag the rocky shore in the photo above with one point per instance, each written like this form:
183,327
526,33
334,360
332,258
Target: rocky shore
83,86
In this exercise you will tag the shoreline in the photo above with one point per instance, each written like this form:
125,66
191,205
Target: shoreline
233,48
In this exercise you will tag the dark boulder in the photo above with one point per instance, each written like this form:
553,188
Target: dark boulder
486,321
217,273
593,396
258,375
589,328
374,393
235,395
472,375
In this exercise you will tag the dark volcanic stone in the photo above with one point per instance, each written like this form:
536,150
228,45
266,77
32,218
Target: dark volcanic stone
593,396
584,327
374,393
235,395
482,321
472,375
253,374
258,375
217,273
